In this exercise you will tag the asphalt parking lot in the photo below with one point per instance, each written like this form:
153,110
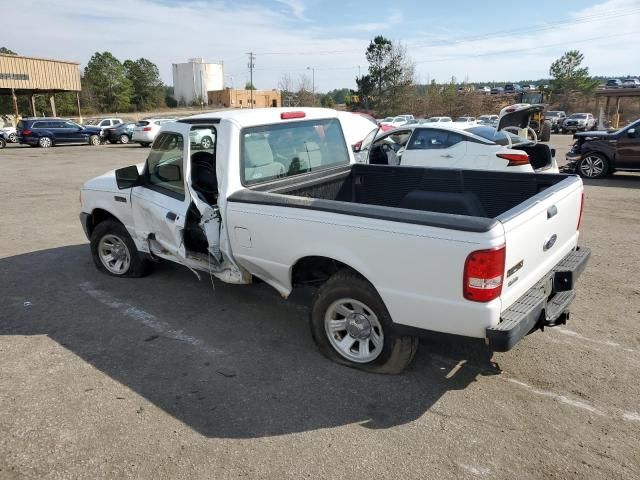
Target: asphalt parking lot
171,377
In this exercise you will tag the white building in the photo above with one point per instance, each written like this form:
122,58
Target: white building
192,80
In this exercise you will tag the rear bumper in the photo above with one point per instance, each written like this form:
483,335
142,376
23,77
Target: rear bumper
545,304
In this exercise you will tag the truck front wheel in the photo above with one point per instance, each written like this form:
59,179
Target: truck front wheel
351,325
114,252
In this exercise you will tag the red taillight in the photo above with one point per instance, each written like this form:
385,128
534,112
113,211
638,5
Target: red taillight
516,158
483,272
146,129
27,132
289,115
581,210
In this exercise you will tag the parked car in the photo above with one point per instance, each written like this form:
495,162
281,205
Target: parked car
477,148
465,122
437,120
145,131
598,154
497,91
103,123
121,133
356,128
578,122
631,83
529,87
400,120
613,83
11,134
48,132
486,90
512,88
491,120
556,117
392,252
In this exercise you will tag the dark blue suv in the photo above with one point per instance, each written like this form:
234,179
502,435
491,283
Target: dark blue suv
47,132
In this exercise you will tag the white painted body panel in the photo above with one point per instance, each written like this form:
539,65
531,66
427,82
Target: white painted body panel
416,269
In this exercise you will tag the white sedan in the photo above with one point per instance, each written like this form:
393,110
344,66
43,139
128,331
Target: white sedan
476,148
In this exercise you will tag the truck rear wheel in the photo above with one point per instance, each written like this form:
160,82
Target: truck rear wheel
351,325
114,252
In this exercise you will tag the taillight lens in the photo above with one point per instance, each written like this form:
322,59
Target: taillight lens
27,132
146,129
515,158
483,274
581,210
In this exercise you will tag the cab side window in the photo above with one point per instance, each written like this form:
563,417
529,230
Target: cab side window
432,139
164,172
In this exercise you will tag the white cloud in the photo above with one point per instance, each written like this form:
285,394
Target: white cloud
296,6
168,33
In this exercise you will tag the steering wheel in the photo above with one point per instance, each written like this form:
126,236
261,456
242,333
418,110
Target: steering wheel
517,131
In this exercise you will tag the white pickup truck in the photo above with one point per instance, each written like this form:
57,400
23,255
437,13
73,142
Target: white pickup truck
395,252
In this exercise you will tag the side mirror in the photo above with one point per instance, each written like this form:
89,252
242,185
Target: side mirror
127,177
356,147
169,173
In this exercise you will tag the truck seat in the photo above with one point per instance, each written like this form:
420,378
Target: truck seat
259,161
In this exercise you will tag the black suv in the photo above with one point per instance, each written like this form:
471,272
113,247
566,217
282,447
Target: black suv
46,132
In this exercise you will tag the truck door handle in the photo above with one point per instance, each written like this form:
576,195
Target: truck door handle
446,156
552,211
171,216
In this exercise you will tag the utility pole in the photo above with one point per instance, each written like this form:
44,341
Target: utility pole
313,83
252,57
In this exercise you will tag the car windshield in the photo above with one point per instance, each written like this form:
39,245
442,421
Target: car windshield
463,119
387,119
578,115
500,137
553,114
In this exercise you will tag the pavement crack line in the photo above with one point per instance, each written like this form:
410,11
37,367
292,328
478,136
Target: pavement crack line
611,412
147,319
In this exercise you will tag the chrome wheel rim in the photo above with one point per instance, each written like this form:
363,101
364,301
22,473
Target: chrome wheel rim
124,139
592,166
13,138
45,142
114,254
206,143
95,140
353,330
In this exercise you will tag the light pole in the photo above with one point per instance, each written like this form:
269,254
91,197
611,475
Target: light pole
313,83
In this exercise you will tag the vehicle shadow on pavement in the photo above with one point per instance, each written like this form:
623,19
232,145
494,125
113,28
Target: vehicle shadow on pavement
617,180
230,361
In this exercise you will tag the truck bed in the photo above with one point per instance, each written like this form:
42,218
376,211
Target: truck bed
469,200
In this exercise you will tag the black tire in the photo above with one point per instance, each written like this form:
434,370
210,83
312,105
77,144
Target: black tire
545,132
145,145
397,351
13,138
3,143
138,266
94,140
593,165
124,139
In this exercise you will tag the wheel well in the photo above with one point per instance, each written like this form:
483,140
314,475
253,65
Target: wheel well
98,216
316,270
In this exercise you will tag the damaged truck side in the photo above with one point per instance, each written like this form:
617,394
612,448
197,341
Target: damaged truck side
395,252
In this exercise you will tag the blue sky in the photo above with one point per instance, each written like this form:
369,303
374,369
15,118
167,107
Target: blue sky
474,40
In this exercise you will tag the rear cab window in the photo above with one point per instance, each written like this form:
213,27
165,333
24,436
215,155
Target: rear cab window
288,149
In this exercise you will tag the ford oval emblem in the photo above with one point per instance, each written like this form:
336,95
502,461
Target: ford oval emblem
550,242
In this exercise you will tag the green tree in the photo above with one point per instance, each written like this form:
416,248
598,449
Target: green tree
389,84
148,90
106,78
249,86
327,101
569,76
6,51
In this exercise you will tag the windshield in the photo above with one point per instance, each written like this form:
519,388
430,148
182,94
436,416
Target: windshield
552,114
578,115
292,148
500,137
